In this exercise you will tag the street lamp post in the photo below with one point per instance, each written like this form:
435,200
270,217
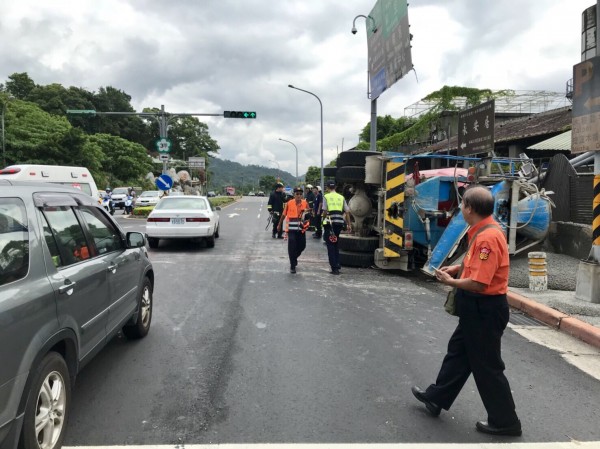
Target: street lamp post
373,137
321,104
297,180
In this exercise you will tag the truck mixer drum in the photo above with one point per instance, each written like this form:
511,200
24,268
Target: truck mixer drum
360,207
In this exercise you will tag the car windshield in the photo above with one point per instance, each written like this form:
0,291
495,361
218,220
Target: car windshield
182,203
150,193
120,190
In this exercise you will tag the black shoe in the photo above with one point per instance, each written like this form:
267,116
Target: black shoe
486,427
432,408
315,236
280,236
293,270
336,272
274,236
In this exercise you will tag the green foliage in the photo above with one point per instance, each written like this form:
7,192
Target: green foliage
445,99
313,176
190,137
20,85
386,126
267,183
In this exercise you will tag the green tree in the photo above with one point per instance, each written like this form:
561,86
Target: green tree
387,126
124,162
267,183
20,85
313,176
190,137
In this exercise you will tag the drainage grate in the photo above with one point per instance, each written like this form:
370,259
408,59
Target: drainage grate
520,319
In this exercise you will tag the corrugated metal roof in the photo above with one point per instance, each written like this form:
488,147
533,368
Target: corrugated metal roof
556,143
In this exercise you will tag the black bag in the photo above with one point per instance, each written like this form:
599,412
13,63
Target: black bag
450,304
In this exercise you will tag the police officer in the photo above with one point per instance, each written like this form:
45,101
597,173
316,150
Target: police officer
335,211
317,209
475,346
296,211
275,207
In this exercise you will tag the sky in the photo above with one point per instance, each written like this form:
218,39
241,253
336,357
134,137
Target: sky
209,56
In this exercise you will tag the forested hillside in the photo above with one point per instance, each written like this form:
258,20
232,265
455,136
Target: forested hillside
222,173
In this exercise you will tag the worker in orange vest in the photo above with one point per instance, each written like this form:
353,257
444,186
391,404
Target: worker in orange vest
296,212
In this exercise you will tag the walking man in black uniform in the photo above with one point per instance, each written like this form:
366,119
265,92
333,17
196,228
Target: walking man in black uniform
483,313
275,208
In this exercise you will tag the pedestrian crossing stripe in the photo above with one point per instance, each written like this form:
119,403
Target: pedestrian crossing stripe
394,199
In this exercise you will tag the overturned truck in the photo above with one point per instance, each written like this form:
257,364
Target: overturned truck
407,219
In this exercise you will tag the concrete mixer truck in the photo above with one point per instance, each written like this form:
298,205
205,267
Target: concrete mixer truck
408,219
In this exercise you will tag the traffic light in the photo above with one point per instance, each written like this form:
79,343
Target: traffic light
239,114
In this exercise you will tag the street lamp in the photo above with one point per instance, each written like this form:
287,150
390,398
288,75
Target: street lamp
3,139
321,104
297,180
373,137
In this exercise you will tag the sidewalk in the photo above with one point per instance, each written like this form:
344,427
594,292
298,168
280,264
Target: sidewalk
561,310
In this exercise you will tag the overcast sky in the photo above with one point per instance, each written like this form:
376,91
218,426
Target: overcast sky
207,56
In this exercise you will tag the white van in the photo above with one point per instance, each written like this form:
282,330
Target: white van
77,177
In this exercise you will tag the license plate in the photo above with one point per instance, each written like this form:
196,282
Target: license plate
178,221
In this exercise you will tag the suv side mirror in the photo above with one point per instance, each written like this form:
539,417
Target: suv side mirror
135,240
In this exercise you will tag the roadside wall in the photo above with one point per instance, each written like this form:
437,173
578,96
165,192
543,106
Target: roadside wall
572,239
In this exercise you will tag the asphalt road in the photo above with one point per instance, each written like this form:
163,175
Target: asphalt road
242,351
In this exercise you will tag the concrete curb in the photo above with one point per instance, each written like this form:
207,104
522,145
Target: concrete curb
558,320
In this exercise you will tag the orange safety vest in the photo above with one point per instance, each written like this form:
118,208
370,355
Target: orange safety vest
294,213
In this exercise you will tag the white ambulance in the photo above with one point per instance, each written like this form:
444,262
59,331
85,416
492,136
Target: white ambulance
77,177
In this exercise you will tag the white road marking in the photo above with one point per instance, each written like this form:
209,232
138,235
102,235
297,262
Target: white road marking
565,445
233,215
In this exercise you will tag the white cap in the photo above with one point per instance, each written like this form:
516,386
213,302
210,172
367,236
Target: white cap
308,186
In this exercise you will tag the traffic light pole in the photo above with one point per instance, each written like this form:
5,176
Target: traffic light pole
163,118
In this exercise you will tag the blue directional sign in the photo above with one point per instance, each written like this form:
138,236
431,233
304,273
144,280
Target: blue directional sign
164,182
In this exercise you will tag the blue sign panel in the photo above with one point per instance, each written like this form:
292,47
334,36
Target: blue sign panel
164,182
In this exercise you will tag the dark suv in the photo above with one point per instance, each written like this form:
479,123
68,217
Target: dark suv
70,279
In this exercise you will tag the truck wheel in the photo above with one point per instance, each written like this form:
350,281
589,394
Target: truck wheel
350,175
352,259
358,244
48,402
329,172
144,314
354,158
153,242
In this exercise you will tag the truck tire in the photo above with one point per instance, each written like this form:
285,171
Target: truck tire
354,158
358,244
360,260
350,175
329,172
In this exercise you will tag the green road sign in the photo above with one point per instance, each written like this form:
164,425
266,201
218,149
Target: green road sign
163,145
81,111
239,114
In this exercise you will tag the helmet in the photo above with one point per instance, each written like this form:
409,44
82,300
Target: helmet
129,188
108,190
309,186
278,185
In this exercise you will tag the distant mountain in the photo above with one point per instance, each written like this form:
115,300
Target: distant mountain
223,173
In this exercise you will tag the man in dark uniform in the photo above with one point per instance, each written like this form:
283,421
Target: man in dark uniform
296,211
275,208
317,212
483,315
335,213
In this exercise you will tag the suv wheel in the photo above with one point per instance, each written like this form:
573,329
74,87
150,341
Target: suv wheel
153,242
144,314
48,404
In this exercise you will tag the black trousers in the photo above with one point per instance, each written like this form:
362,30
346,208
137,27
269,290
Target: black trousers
275,219
475,348
296,244
333,249
318,225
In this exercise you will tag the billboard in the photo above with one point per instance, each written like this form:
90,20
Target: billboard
389,45
476,129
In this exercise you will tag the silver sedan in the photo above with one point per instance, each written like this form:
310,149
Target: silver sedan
183,217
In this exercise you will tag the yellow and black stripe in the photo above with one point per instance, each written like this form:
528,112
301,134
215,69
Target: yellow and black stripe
596,204
394,199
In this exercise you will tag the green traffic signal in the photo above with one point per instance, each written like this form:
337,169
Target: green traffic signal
239,114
